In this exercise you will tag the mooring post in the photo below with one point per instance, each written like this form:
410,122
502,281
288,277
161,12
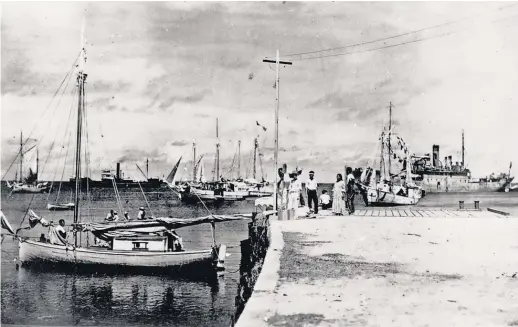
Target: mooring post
477,205
461,205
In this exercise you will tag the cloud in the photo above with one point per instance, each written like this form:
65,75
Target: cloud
179,143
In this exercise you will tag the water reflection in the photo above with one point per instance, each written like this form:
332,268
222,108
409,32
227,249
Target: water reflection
70,298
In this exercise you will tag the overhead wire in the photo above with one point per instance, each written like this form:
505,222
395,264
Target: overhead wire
397,44
393,36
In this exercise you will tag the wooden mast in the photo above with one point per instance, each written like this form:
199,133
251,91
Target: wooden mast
239,159
194,162
81,77
217,150
389,146
255,158
21,156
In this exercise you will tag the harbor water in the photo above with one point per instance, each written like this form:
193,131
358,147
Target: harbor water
34,297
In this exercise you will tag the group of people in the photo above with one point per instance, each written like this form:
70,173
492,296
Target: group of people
343,193
113,216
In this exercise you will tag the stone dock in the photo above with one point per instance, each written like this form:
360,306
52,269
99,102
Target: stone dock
389,267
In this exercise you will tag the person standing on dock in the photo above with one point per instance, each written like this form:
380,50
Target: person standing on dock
351,182
294,191
338,196
311,188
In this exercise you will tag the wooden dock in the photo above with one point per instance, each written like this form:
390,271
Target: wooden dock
427,212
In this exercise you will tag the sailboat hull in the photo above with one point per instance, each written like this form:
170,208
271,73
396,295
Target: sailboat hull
29,189
60,207
385,198
32,253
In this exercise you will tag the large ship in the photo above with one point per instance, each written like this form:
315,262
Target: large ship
435,176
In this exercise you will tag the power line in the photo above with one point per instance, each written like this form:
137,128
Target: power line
395,45
391,37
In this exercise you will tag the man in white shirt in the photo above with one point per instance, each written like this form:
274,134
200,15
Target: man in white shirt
325,200
311,188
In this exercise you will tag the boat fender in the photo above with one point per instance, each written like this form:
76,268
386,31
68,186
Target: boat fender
222,253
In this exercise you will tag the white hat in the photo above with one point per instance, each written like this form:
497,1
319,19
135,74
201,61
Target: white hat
141,208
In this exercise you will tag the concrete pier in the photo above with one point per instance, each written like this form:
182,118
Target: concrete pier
378,268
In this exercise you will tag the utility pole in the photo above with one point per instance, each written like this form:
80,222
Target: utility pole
276,155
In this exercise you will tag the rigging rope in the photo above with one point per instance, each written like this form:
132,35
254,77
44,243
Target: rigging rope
147,203
48,106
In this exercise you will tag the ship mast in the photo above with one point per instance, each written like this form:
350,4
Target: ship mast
463,149
37,163
239,159
81,77
21,156
217,151
194,162
255,158
389,146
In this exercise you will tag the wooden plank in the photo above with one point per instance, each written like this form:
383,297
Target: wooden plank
378,213
368,213
418,213
400,213
499,212
447,213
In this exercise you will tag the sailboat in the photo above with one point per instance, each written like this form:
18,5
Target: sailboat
388,191
217,190
149,243
30,183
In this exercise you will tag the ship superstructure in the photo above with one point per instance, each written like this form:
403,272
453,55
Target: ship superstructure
435,176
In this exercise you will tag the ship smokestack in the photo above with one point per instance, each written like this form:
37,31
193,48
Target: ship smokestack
118,172
445,163
435,158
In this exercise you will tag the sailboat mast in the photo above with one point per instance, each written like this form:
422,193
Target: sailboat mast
239,159
194,161
37,163
389,137
255,157
217,151
21,156
147,168
81,77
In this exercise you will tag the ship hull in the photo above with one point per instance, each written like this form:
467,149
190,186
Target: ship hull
442,184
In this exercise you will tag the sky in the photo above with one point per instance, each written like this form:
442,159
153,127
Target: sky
159,74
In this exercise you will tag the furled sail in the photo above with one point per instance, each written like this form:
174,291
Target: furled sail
107,231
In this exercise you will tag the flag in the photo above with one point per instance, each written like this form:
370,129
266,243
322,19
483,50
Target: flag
510,165
34,220
264,128
5,224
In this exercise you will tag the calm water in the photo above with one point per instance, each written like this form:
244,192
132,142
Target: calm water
51,298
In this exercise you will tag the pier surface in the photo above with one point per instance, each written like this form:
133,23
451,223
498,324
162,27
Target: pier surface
378,268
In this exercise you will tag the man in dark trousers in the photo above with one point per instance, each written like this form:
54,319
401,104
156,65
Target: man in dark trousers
311,188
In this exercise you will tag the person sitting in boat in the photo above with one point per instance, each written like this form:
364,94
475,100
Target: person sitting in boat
141,214
60,229
126,216
110,216
174,241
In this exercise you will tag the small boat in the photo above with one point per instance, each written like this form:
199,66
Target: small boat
28,184
60,207
130,244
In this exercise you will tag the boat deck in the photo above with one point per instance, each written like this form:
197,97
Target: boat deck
426,212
